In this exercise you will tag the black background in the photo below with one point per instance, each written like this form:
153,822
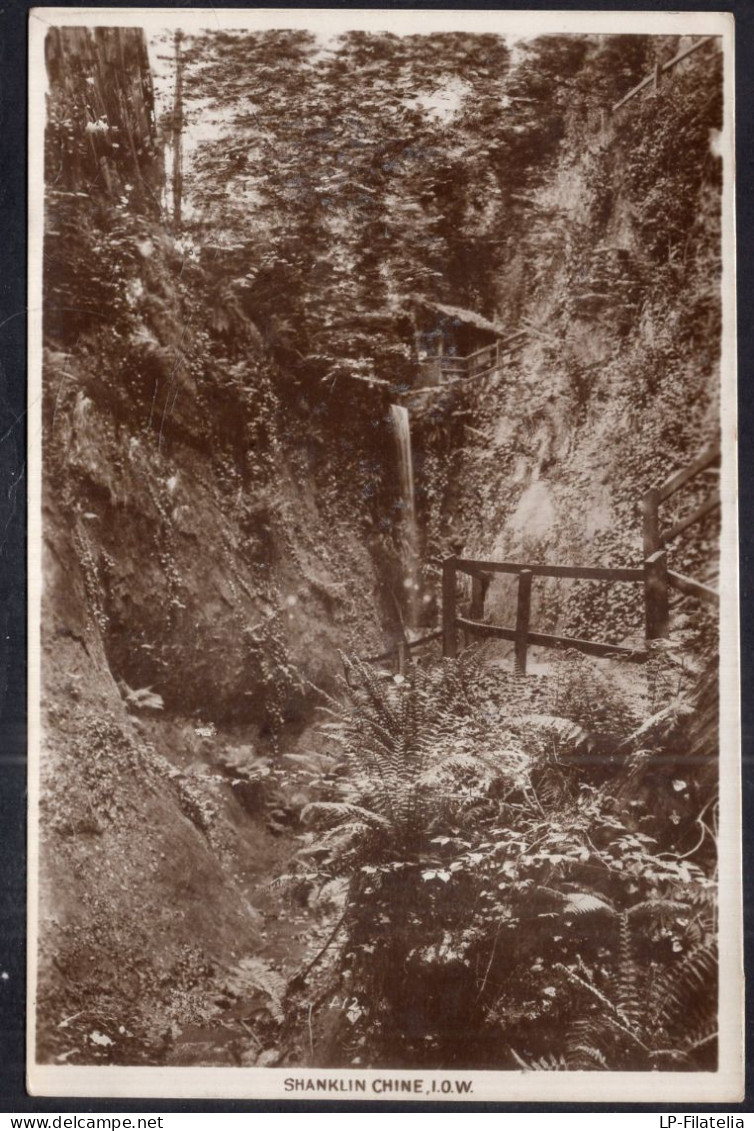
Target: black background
13,226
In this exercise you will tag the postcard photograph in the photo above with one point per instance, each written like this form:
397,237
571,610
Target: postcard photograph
383,598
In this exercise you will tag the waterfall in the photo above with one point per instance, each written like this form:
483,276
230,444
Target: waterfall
409,531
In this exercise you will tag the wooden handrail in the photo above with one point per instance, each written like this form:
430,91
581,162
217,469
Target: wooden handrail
653,575
584,573
480,628
478,353
693,588
379,659
480,373
590,647
449,642
523,616
633,91
656,596
436,635
391,653
652,78
679,478
485,349
450,359
551,640
656,538
705,508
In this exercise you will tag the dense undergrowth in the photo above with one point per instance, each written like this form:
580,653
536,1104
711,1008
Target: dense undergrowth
509,888
487,871
617,277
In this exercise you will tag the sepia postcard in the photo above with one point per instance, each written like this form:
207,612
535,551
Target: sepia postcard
384,687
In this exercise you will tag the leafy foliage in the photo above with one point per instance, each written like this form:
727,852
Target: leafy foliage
494,898
504,888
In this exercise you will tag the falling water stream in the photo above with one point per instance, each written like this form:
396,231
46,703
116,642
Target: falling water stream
409,531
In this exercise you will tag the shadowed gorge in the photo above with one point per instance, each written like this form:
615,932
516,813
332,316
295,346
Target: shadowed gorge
380,619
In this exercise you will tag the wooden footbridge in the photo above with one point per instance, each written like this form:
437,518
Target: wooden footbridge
654,578
449,368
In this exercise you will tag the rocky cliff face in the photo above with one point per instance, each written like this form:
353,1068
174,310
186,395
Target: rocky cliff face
206,555
616,279
211,541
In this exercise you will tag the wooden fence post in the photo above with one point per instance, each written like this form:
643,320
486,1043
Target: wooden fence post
523,612
449,649
656,595
401,656
650,508
479,586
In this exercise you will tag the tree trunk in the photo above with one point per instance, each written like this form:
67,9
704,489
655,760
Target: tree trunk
178,135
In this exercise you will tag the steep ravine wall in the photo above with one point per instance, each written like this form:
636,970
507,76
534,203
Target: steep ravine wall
205,557
616,276
210,545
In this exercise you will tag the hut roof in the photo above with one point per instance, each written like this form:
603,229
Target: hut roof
470,317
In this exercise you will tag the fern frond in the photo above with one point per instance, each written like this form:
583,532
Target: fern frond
290,881
586,1057
548,1063
585,903
686,986
378,696
333,889
330,812
657,906
664,719
254,974
703,1035
629,1003
313,763
610,1007
338,838
566,730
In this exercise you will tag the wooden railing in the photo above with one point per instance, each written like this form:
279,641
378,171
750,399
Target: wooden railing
651,576
399,655
657,537
473,365
653,79
654,576
478,364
